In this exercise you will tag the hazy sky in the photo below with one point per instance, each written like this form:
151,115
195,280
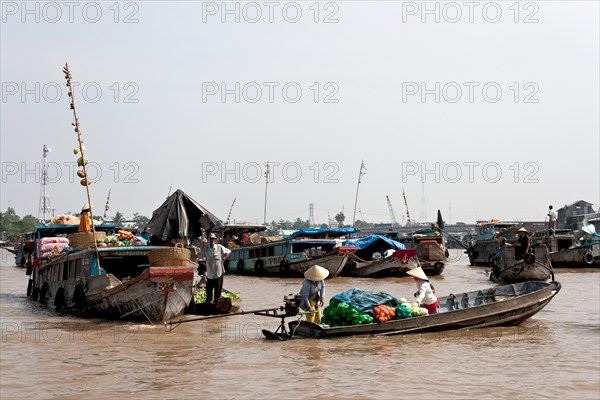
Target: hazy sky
494,105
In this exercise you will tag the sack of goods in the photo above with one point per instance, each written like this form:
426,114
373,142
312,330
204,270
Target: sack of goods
51,246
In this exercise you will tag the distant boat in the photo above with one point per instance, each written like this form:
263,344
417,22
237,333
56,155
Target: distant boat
431,251
565,252
489,240
377,256
290,256
534,266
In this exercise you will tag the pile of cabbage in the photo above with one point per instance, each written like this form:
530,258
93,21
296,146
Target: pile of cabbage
344,313
200,295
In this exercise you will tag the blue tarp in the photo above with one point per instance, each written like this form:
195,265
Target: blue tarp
368,241
318,232
364,301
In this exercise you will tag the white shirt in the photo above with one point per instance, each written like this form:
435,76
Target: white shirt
552,215
214,260
424,293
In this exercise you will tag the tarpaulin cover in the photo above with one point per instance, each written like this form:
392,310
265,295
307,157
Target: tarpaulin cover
180,216
364,301
375,241
321,233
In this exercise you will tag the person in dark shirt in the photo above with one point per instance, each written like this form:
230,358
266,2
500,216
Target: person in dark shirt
522,245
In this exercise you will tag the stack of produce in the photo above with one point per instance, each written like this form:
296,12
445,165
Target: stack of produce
124,235
342,314
383,313
113,241
200,295
418,311
356,307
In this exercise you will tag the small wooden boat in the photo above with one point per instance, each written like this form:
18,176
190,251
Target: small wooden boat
385,267
431,251
565,252
367,260
535,266
227,304
502,305
490,238
113,283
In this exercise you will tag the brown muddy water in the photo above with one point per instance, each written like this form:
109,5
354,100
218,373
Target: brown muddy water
555,354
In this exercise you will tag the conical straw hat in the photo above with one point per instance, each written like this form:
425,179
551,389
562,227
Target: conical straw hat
316,273
418,273
86,206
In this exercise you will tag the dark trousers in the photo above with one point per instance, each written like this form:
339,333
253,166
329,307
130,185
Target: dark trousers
215,285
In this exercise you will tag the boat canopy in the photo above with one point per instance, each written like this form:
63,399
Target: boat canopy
375,241
180,216
321,233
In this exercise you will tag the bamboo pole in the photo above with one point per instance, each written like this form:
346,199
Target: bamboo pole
75,123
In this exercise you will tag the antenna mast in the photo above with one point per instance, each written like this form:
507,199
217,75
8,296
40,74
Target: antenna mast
267,174
44,192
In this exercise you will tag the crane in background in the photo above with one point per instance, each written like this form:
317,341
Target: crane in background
408,222
391,209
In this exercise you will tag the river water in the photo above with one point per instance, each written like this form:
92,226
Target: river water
554,354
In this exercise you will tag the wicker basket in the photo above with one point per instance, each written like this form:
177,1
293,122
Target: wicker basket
170,257
81,240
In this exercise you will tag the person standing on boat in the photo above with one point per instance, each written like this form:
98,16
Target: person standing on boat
215,255
522,245
551,220
84,220
312,292
424,294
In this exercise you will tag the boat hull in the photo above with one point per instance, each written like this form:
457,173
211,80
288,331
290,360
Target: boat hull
378,269
577,257
156,294
453,314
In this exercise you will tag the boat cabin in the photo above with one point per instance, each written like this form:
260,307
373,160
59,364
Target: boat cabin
561,240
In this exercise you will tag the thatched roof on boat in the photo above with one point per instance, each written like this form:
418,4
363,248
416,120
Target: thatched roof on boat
180,216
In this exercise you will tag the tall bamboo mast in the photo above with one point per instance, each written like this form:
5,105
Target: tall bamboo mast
84,181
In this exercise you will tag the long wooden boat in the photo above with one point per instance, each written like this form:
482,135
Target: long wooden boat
490,238
565,252
115,283
535,266
289,257
502,305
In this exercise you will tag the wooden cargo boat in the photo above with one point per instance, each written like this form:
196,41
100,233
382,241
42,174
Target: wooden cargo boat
535,266
502,305
385,267
431,251
377,256
292,256
565,252
114,283
490,237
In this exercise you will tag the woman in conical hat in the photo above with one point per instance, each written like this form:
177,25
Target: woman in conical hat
312,292
84,220
424,294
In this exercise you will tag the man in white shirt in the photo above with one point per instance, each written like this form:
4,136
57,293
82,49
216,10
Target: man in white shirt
215,255
551,220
